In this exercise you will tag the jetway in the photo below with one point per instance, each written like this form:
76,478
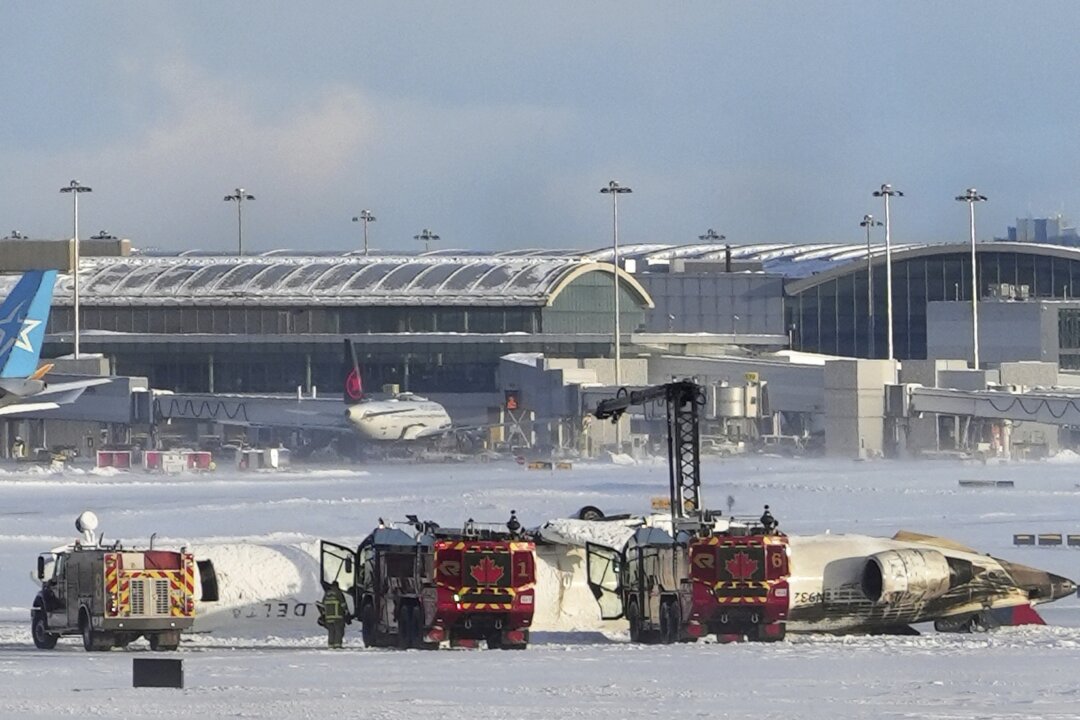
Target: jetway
1047,407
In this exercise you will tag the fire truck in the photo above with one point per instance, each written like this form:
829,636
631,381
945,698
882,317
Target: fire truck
697,572
111,595
416,585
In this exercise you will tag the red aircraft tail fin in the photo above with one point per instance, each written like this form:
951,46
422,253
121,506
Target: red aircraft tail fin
354,388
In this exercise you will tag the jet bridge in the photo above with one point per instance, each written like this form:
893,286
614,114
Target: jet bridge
251,410
1044,406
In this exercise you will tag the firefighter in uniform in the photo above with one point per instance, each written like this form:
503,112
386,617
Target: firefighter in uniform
334,614
768,521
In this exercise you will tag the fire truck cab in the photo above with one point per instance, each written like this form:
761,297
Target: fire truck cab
415,585
111,595
740,587
729,579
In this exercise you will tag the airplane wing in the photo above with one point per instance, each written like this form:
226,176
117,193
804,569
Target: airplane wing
27,407
933,540
65,387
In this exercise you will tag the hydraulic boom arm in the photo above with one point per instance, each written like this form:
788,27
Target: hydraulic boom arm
683,398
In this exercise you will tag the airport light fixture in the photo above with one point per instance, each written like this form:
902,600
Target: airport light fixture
428,237
238,197
887,191
868,222
365,217
972,196
16,235
614,189
75,188
710,236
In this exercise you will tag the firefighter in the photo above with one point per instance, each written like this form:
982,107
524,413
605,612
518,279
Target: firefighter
18,448
768,521
333,614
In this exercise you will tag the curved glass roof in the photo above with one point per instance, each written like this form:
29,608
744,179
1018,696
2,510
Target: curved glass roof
514,278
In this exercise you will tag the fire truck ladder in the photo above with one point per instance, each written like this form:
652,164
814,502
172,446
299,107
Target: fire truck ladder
683,398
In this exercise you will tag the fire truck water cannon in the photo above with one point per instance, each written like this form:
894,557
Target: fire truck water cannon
417,584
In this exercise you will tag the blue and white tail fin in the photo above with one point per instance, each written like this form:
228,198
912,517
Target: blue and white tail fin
23,317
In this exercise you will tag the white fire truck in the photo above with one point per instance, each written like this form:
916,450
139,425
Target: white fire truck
111,595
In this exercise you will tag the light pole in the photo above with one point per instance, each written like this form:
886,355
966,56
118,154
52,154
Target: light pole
239,197
365,216
428,237
887,191
972,196
75,188
615,190
711,236
868,222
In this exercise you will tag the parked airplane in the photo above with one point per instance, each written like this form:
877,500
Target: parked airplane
23,317
403,417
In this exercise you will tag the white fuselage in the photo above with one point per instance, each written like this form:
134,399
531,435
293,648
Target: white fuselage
405,417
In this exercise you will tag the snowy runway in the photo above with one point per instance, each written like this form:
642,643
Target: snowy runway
1010,673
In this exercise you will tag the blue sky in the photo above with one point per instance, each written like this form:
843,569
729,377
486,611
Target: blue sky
496,124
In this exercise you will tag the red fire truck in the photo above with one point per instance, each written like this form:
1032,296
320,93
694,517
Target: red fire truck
696,573
416,585
740,585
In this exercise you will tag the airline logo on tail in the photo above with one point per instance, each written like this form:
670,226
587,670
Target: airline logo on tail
354,388
23,316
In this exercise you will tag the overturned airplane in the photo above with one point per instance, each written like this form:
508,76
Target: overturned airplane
738,579
828,583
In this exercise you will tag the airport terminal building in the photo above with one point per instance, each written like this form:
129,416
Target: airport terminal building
439,322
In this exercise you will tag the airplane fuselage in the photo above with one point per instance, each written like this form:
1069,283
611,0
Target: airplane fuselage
915,582
406,418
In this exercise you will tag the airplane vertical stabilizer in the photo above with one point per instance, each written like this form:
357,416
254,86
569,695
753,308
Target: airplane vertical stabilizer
354,387
23,317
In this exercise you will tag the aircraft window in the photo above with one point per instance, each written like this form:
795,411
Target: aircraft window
208,580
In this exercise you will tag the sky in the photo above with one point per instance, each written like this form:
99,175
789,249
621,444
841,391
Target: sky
494,125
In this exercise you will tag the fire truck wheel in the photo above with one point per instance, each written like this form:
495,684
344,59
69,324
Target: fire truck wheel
93,640
494,641
669,622
165,641
367,625
39,628
633,614
409,627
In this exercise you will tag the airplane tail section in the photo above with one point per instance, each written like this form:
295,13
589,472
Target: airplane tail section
23,317
354,388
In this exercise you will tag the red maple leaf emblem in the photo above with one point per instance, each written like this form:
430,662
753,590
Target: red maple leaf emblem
741,566
486,572
353,387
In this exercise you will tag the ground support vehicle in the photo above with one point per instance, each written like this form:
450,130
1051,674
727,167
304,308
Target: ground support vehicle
417,585
111,596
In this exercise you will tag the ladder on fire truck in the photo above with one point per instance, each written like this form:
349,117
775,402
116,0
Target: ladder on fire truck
683,399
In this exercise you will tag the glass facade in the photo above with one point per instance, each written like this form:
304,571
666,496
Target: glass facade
833,317
240,320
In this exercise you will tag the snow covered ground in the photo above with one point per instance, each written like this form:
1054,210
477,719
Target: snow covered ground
1009,673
